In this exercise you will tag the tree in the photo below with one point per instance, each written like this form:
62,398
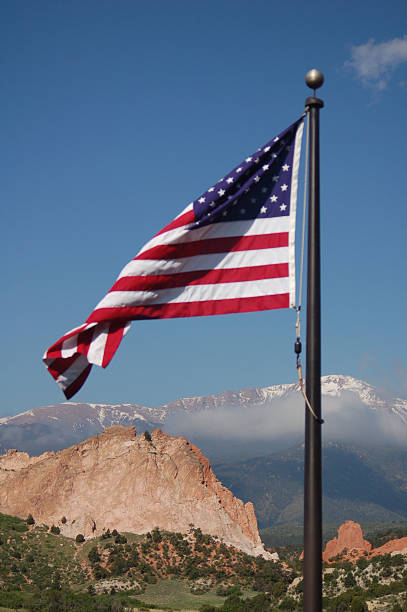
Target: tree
55,530
358,605
30,520
93,555
147,436
80,538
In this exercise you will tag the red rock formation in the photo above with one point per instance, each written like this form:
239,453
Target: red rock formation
349,543
118,480
392,546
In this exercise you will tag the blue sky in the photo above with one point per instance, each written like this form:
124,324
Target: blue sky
117,114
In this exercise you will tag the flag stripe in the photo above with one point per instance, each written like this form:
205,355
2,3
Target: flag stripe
183,219
237,259
194,293
225,229
195,309
116,333
77,382
216,245
200,277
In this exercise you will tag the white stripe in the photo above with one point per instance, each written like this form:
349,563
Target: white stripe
69,345
73,372
214,261
183,212
293,207
97,346
196,293
251,227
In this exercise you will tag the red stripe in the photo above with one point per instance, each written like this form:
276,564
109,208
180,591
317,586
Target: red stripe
60,364
216,245
84,341
114,338
184,219
77,383
193,309
55,351
200,277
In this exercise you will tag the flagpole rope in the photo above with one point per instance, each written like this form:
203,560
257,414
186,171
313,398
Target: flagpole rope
298,346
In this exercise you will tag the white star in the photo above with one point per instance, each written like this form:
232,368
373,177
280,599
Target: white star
266,149
239,169
225,212
276,139
256,161
263,209
274,155
266,167
248,159
283,206
229,180
242,210
247,190
274,198
230,197
221,192
212,204
253,200
201,200
211,189
284,187
286,167
256,178
275,178
264,190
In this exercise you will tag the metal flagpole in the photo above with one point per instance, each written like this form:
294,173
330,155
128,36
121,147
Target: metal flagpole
312,471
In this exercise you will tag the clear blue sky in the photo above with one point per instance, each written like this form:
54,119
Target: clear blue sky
116,114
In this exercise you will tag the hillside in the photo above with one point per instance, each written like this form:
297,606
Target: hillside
130,482
367,484
41,569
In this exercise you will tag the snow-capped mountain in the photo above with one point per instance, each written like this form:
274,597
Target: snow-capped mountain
61,425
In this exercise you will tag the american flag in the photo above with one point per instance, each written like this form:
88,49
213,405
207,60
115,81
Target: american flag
229,251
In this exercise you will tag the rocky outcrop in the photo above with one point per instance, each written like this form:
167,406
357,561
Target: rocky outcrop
398,546
118,480
348,544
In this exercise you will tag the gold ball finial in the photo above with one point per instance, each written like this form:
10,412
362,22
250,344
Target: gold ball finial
314,79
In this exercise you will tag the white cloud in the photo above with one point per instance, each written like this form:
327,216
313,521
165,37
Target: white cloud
374,62
347,419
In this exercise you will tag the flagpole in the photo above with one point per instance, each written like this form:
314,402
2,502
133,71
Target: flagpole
312,572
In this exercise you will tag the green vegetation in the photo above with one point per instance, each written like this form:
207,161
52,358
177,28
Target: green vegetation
42,570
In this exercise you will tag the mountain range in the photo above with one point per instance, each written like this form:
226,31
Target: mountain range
254,438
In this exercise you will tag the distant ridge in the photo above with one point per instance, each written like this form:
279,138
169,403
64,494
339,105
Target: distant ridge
58,426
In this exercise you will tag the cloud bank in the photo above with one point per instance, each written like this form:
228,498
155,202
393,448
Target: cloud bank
374,62
260,430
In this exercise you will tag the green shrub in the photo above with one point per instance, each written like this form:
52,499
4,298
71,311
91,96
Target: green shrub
55,530
30,520
80,538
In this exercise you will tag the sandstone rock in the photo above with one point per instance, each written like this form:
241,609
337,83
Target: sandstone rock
350,543
392,546
118,480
